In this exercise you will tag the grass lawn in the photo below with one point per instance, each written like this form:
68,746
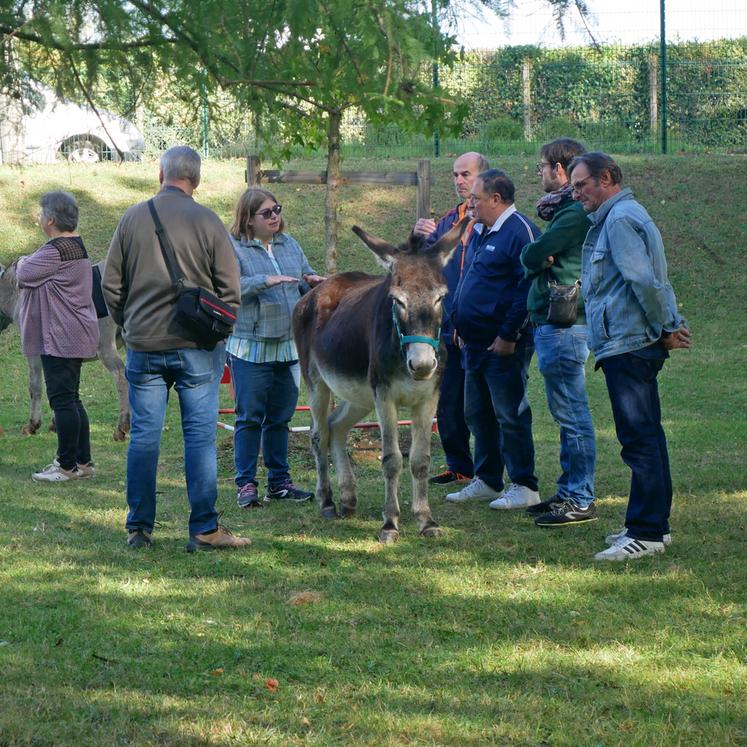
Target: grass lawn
498,633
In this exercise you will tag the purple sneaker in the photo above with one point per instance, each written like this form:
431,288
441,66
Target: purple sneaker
287,491
247,497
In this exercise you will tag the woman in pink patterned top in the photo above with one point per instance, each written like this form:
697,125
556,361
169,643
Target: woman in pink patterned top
58,322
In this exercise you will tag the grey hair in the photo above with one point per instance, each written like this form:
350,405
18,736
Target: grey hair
62,208
181,162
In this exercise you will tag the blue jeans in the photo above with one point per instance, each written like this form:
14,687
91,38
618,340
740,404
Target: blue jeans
634,395
498,414
266,397
194,374
561,355
452,429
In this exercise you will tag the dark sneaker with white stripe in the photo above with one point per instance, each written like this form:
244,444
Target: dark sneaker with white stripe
627,548
287,491
566,513
544,507
246,496
611,539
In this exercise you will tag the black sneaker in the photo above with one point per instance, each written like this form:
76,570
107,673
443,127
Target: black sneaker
139,538
246,496
539,509
287,491
567,513
448,477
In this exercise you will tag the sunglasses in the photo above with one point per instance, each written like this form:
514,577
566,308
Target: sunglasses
267,213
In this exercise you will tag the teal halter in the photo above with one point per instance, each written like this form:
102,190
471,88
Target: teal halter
434,342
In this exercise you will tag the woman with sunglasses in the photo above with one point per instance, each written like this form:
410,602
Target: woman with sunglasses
261,351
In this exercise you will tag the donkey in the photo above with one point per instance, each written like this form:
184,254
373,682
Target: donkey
374,342
107,354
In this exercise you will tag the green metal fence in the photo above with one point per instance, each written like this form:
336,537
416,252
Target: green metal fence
647,97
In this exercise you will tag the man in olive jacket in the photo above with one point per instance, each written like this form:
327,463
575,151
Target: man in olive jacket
141,299
562,350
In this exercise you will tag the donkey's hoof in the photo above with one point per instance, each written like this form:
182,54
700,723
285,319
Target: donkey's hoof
30,429
119,435
388,536
432,530
329,512
346,512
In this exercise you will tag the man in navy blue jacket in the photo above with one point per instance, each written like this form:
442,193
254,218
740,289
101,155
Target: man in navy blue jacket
452,428
490,314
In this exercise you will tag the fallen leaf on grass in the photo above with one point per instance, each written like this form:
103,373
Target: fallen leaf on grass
217,672
305,721
272,685
305,597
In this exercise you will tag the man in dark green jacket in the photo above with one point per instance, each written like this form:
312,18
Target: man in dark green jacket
562,350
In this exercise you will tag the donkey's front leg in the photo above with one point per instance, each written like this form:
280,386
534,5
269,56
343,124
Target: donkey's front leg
391,462
420,460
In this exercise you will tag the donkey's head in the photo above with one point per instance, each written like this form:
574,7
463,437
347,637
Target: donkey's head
416,290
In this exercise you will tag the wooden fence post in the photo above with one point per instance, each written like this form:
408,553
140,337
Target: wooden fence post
526,79
424,189
253,171
653,92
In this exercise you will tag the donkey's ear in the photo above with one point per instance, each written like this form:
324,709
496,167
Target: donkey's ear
444,247
384,252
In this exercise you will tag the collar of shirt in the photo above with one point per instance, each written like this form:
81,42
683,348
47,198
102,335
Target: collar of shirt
505,215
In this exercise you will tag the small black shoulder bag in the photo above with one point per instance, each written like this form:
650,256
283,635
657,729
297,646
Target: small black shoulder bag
562,309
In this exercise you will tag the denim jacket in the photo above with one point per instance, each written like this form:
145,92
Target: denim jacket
265,312
629,301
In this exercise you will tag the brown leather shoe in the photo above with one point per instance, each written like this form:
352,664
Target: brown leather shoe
220,539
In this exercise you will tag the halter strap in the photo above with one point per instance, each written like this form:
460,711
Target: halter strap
434,342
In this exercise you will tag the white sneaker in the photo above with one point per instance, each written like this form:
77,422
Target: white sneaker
516,496
54,473
627,548
612,539
475,490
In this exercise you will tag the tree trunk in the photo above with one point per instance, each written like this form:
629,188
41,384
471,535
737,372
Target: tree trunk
330,199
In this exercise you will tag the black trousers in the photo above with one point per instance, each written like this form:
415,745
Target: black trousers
62,378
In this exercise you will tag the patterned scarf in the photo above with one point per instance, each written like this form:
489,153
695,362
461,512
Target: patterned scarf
548,205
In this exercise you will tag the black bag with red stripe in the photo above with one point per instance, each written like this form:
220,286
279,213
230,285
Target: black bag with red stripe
202,316
205,319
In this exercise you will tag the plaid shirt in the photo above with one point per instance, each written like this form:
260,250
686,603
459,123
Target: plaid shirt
265,312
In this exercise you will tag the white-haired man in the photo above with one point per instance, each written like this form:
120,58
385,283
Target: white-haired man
141,298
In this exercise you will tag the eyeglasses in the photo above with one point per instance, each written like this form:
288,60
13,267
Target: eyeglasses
541,165
267,213
579,185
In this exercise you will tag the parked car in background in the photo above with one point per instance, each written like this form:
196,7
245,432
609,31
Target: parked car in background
62,129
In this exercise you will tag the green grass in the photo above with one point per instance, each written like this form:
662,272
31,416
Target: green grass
497,633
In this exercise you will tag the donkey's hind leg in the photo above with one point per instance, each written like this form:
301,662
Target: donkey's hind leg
35,395
319,399
344,417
